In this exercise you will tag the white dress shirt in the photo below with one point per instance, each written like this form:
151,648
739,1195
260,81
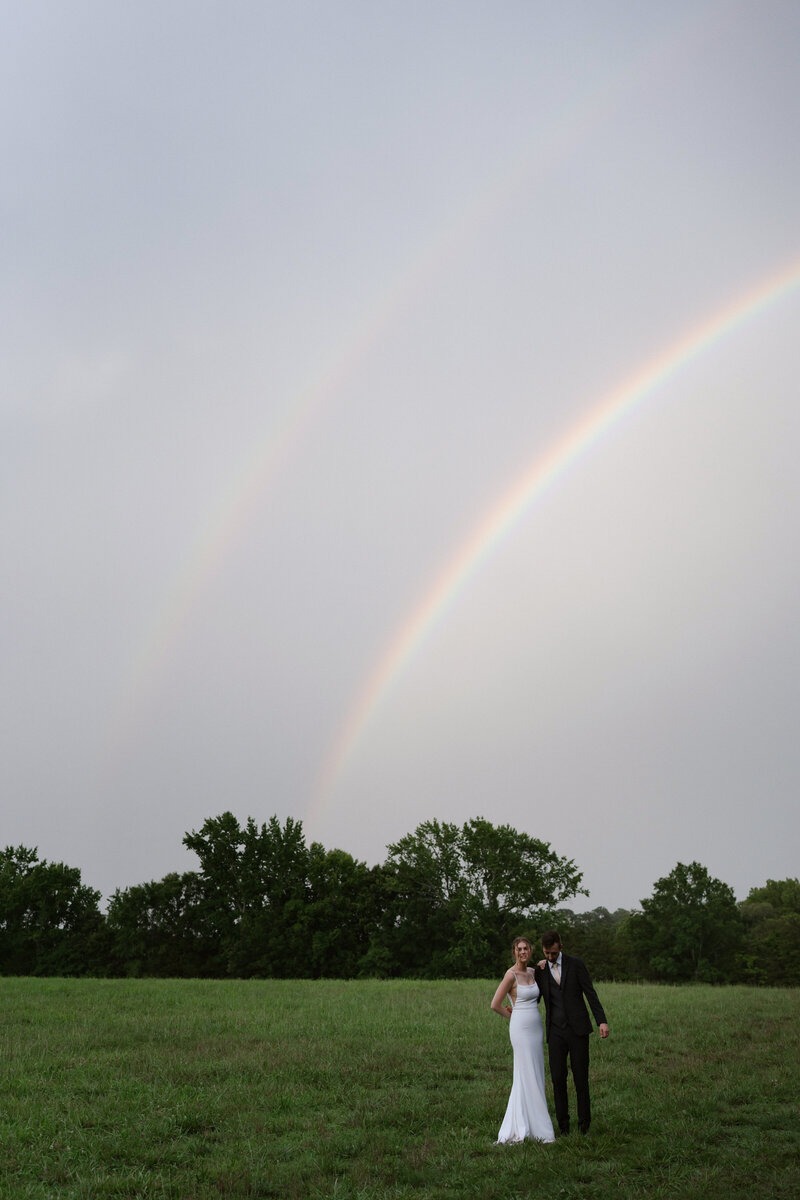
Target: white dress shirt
557,963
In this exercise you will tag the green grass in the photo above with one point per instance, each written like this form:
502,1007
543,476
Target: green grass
192,1090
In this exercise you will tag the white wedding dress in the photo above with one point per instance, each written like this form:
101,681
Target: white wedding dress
527,1115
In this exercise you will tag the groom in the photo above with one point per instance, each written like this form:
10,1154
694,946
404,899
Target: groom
563,982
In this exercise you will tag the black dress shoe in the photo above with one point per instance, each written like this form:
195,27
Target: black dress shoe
583,1128
563,1130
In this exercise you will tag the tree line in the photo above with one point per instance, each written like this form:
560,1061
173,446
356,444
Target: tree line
445,903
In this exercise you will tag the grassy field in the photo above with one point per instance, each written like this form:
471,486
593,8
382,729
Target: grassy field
199,1089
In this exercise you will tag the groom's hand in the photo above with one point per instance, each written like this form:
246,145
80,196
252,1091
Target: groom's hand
603,1030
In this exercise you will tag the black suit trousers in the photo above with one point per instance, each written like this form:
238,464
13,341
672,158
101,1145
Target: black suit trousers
563,1044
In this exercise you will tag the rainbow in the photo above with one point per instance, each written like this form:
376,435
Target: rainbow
515,504
232,511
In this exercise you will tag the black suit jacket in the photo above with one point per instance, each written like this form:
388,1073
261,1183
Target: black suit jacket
575,985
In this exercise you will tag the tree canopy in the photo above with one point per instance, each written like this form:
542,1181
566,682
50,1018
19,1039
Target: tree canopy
446,902
50,923
690,928
457,896
771,916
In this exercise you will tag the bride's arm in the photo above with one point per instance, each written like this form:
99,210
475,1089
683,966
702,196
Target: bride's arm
497,1000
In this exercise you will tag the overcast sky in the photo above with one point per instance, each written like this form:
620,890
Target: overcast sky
292,295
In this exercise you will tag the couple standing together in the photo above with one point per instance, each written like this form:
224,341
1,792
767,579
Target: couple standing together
563,982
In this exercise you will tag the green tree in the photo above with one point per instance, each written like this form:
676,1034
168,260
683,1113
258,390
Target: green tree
456,896
50,922
262,904
155,928
782,895
346,900
595,937
254,892
771,916
425,896
690,928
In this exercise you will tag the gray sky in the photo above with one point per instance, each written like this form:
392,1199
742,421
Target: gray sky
292,295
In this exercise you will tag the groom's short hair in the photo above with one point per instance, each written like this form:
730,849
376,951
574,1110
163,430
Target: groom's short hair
550,938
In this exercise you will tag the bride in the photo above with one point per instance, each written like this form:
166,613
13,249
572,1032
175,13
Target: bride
526,1115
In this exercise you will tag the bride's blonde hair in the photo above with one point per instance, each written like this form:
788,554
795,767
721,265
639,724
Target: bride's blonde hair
517,941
